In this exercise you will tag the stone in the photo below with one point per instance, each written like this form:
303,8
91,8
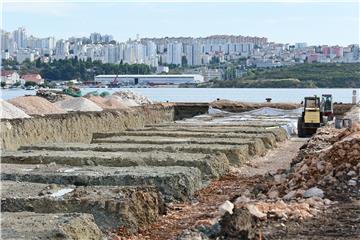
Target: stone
351,173
352,182
289,195
242,199
227,206
273,194
314,192
255,211
327,201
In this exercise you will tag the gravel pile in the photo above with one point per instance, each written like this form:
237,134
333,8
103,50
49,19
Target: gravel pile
327,164
9,111
115,102
34,105
79,104
110,102
135,97
125,101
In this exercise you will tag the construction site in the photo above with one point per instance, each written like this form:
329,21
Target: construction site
220,170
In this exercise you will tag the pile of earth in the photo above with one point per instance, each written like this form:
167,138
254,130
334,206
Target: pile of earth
78,104
9,111
34,105
235,106
108,102
328,165
132,98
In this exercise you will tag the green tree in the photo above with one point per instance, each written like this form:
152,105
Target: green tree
30,84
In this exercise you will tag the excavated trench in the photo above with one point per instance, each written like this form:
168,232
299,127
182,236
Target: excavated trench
120,178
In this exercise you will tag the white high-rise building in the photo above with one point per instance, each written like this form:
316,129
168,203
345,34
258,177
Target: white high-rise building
95,37
5,40
197,54
150,54
19,36
62,49
120,48
194,53
129,53
110,55
174,53
25,54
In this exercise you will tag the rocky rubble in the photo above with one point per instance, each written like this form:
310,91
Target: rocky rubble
129,95
329,163
323,175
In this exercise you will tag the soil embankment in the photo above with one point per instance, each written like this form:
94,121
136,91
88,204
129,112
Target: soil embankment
77,126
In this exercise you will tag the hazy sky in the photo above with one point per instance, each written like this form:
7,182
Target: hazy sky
315,23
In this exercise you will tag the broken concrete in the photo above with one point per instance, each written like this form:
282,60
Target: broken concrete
27,225
256,146
236,154
174,182
132,208
211,166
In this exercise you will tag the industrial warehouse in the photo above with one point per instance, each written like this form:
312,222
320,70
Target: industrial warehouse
150,79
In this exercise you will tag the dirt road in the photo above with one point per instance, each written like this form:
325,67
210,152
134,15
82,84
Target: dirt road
206,208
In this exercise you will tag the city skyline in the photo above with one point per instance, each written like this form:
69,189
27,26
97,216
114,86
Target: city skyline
314,23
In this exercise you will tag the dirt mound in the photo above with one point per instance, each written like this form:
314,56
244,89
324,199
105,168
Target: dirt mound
9,111
133,97
109,102
34,105
100,101
79,104
235,106
329,162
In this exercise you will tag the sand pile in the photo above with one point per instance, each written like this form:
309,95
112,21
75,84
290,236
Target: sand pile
110,102
79,104
131,97
115,102
34,105
9,111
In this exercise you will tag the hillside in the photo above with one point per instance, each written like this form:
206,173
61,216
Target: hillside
299,76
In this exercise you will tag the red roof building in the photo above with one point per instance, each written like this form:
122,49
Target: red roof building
36,78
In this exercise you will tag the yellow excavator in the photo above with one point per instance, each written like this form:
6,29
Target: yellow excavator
311,118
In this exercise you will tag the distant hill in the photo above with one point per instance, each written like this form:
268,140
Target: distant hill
332,75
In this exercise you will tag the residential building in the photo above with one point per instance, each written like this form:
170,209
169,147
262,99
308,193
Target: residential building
9,77
36,78
19,36
174,53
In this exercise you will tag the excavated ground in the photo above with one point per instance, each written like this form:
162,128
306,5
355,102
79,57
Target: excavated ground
211,166
235,154
29,225
123,178
174,182
256,146
112,207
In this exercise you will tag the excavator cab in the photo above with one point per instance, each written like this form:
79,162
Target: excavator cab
311,118
327,106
